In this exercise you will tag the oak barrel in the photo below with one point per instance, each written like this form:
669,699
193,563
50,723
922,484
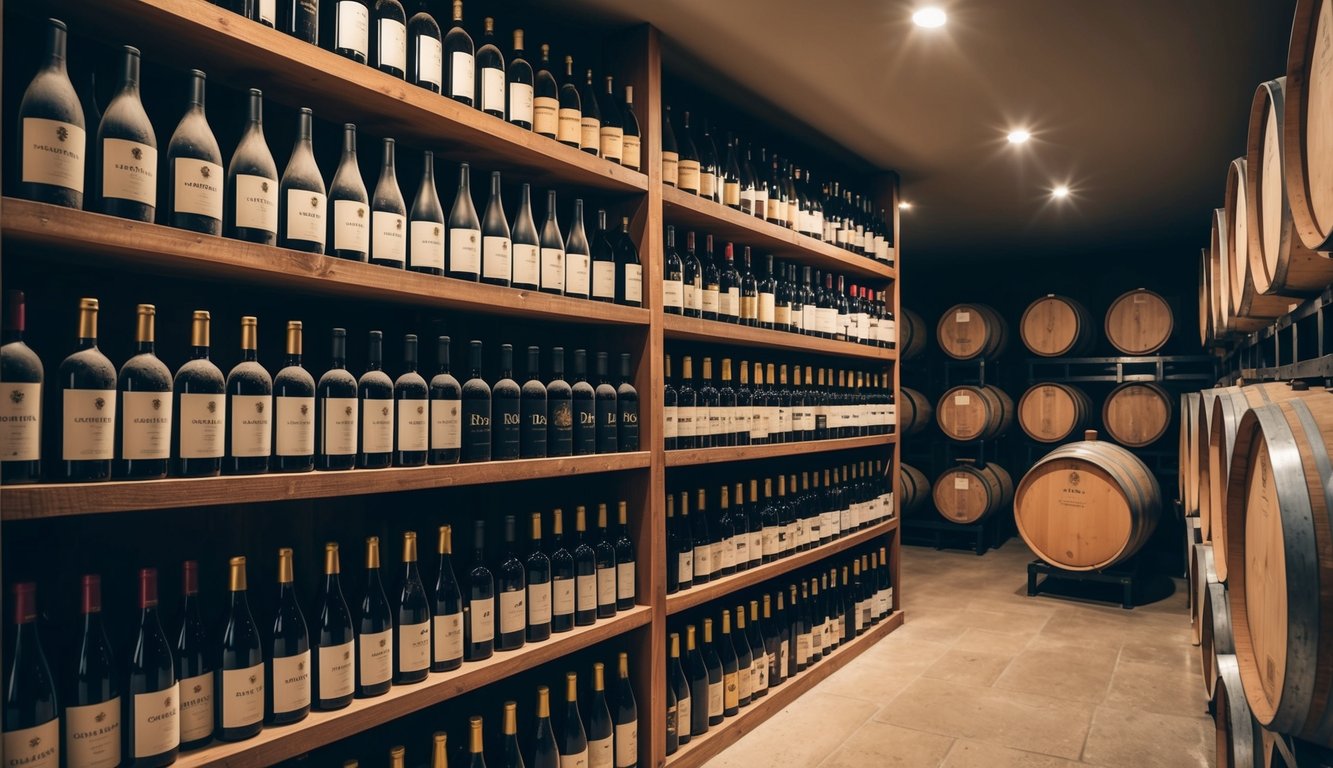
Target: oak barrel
1088,505
912,332
1280,563
1206,331
969,494
915,488
1239,738
1137,413
1202,573
1189,454
1247,302
1307,158
1139,322
970,412
1203,468
1215,638
1056,325
1051,412
968,331
915,411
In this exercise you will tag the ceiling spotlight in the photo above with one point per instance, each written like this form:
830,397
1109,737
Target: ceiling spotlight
904,206
929,17
1060,192
1019,137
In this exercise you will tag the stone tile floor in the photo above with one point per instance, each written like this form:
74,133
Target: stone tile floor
982,675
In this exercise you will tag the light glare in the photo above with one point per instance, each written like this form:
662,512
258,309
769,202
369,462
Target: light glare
1019,137
930,17
1060,192
904,206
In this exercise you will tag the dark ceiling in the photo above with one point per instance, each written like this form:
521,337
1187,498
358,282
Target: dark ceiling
1137,105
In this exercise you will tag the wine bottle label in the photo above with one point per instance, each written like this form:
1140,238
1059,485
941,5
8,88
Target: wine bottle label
197,187
377,426
351,230
251,425
760,679
512,611
601,752
129,171
781,314
576,274
146,425
766,308
527,264
89,425
353,26
687,422
673,293
427,248
775,210
339,426
291,682
53,153
710,298
430,60
520,103
305,215
783,659
539,603
683,711
375,657
707,184
606,586
793,210
389,240
337,671
727,555
412,425
586,586
492,90
686,565
545,115
671,168
802,648
632,152
482,625
693,296
750,307
268,14
731,193
447,637
688,175
627,742
612,142
462,76
257,203
414,647
562,597
477,429
196,707
496,259
242,696
741,546
670,430
590,134
296,426
703,560
715,557
445,425
21,421
625,581
604,279
760,201
715,695
744,681
728,303
38,746
392,44
92,736
553,269
577,760
465,250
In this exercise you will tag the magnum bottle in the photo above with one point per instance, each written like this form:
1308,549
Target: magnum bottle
53,135
426,229
194,168
251,208
127,149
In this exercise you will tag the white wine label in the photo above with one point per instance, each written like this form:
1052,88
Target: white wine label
337,671
251,425
20,421
545,115
493,90
685,426
627,743
465,250
625,581
590,134
89,425
447,637
673,293
482,626
242,696
671,168
766,308
731,193
375,657
340,426
586,588
743,682
669,429
604,279
539,603
527,264
257,202
353,26
92,736
707,185
413,425
445,425
562,597
612,142
268,13
427,249
393,43
634,282
38,746
570,126
462,76
553,269
781,313
196,709
414,647
520,103
291,682
430,60
296,426
728,304
632,153
775,209
512,611
351,225
715,699
197,187
688,175
606,586
577,760
389,236
601,753
53,153
305,215
377,426
684,709
686,561
703,560
496,258
146,425
576,273
129,171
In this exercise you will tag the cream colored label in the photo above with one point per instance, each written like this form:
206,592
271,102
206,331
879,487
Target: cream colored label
388,236
92,736
198,187
570,126
962,317
375,657
590,134
632,153
493,90
414,647
146,427
512,611
731,193
89,425
393,43
539,603
296,425
351,225
256,203
634,282
715,699
129,171
527,267
604,279
35,747
242,696
413,425
461,73
53,153
305,215
447,637
671,168
688,175
430,60
612,143
545,118
445,428
625,581
520,102
576,273
553,268
291,682
601,753
673,293
353,26
496,259
196,709
562,596
251,425
376,426
157,722
340,426
606,586
427,249
20,421
337,671
482,624
766,308
707,185
464,250
627,743
579,760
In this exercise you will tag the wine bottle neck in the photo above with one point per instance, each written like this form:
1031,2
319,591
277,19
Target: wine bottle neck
144,347
196,99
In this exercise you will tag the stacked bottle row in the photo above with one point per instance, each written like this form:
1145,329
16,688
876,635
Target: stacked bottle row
774,297
789,627
141,423
706,412
795,513
229,684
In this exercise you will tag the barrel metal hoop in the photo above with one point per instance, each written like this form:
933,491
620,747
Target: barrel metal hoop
1325,468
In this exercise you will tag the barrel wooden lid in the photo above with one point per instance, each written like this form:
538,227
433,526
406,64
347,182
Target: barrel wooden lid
965,330
961,495
1073,513
1049,412
1050,326
1265,585
1139,322
1137,413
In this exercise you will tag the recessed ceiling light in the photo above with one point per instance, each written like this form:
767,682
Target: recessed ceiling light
904,206
1060,192
1019,137
929,17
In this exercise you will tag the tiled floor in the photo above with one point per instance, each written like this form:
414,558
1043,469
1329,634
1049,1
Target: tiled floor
982,676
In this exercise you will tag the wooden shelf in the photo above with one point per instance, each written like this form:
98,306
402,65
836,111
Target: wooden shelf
157,249
243,53
703,748
26,502
717,588
275,744
726,224
692,456
716,332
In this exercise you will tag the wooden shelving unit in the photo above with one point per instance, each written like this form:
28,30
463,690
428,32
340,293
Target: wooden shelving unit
681,328
694,456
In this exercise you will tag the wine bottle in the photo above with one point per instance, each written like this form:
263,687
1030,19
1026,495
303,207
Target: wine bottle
88,407
128,149
252,176
388,246
425,51
559,419
447,610
749,292
584,407
476,399
578,257
689,173
673,277
537,576
375,391
703,540
625,561
475,744
479,635
513,592
545,98
729,287
374,634
710,283
464,231
144,387
426,223
351,30
632,154
397,757
717,676
506,430
601,730
744,415
512,757
21,411
194,164
585,571
710,170
744,660
301,195
726,407
32,710
573,741
497,260
692,279
93,708
526,244
607,411
334,666
629,270
445,422
767,287
240,681
687,401
533,410
412,624
337,411
611,139
458,60
439,756
707,414
759,651
389,54
563,574
603,262
732,175
411,438
294,410
300,19
348,199
778,641
670,152
627,400
491,83
520,85
570,130
677,557
52,130
679,685
701,685
604,553
552,251
288,685
545,751
193,665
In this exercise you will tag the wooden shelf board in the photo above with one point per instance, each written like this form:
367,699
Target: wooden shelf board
157,249
234,50
693,456
25,502
715,332
727,224
275,744
703,748
718,588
